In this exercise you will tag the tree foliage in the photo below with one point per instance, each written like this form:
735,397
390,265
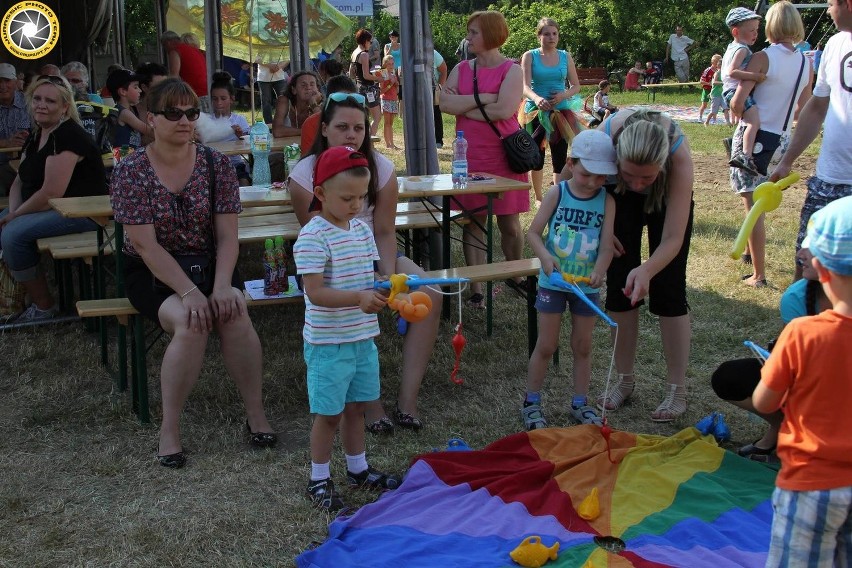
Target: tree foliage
139,27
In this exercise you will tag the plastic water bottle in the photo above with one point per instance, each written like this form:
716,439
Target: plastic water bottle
281,262
459,161
270,271
261,141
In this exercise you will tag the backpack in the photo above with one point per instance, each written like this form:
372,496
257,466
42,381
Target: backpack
98,120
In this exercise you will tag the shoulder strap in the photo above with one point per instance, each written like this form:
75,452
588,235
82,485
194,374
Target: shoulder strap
793,96
211,180
479,103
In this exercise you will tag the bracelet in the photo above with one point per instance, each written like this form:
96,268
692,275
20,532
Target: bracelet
188,292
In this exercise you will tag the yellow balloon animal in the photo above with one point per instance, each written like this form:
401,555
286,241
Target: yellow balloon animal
533,554
767,197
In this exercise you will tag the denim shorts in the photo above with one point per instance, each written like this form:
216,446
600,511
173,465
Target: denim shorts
341,373
729,94
554,301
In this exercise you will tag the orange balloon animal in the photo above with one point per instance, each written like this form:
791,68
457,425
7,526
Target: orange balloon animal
412,307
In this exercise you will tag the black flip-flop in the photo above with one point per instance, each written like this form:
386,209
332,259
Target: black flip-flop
752,452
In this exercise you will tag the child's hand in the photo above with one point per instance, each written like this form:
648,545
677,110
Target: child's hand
761,77
237,130
371,301
596,279
549,264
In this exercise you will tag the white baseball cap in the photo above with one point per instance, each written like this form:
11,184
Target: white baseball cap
739,15
595,151
7,71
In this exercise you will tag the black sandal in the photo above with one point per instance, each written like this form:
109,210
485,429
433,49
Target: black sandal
381,426
407,421
261,439
476,301
752,452
173,461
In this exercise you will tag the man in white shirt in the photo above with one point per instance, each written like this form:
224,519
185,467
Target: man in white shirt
14,122
677,49
830,104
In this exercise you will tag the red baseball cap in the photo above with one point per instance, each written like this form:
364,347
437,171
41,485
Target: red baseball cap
335,160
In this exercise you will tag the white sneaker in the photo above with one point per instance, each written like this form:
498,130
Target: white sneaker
33,313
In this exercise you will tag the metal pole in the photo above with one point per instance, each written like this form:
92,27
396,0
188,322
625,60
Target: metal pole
212,37
297,22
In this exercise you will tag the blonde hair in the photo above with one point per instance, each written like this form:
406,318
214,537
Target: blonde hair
190,38
643,141
492,24
387,58
715,59
783,22
65,92
545,22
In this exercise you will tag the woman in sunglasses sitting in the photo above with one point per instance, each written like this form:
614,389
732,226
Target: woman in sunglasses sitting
60,159
345,122
181,252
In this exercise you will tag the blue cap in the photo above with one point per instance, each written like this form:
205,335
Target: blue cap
829,236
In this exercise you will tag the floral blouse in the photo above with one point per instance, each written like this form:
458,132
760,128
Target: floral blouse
182,221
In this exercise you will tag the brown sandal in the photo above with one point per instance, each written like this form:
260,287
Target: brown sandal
615,398
673,405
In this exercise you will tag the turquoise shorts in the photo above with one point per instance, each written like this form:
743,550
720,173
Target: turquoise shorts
341,373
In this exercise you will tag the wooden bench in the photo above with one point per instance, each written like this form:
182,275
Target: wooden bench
651,89
126,314
594,75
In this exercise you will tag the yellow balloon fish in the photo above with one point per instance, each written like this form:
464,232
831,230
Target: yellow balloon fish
533,554
590,508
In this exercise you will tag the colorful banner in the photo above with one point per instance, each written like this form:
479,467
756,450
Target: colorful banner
268,24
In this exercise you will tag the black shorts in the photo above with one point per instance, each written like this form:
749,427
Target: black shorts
370,92
140,290
558,146
667,291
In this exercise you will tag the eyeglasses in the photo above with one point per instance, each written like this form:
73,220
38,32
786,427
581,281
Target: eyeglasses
340,97
175,114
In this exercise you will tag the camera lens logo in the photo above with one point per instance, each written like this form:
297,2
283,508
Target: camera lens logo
29,30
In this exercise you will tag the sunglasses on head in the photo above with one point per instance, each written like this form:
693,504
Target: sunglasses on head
58,81
340,97
175,114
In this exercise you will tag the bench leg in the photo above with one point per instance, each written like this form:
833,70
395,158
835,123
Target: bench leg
139,371
532,315
121,372
489,243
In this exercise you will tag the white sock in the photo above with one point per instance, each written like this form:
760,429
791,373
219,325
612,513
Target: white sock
320,471
356,464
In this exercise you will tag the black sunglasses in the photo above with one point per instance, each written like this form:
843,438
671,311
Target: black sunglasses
175,114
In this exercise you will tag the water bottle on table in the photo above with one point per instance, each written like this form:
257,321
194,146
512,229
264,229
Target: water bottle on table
459,161
261,141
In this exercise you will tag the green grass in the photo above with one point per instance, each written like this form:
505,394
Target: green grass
81,485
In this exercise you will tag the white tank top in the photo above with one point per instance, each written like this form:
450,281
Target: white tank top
772,97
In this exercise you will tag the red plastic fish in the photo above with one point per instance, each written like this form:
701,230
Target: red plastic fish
606,432
458,344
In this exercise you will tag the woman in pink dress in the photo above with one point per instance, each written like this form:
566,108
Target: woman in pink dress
501,84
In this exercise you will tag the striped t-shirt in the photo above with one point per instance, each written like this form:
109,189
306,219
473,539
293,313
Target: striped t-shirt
345,259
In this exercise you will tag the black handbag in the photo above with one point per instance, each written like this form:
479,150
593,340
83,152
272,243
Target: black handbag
200,268
522,153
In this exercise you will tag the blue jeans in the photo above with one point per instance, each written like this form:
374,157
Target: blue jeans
267,101
18,239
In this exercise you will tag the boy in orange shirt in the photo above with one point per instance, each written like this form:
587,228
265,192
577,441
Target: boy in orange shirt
808,374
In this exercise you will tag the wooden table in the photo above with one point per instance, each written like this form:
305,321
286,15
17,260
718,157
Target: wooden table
651,89
242,147
441,185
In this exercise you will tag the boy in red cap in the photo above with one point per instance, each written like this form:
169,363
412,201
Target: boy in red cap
334,254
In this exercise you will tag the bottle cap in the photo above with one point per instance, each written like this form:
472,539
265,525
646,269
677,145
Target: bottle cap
268,243
279,241
460,133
